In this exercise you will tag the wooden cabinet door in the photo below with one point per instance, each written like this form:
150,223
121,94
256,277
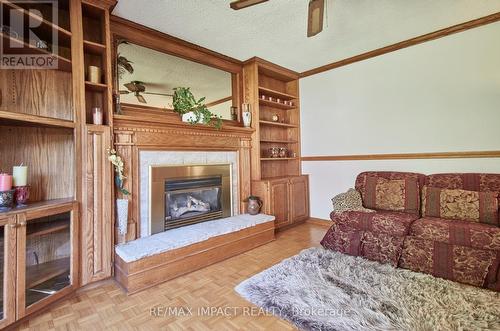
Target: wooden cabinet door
299,198
47,263
279,202
8,266
97,228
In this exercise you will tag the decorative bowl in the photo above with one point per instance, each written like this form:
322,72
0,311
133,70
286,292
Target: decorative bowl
6,199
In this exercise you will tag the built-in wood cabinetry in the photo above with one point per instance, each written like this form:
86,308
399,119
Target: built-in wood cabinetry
39,261
46,124
273,95
286,198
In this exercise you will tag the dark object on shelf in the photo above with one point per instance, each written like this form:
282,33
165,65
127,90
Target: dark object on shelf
283,152
234,113
6,200
254,205
21,195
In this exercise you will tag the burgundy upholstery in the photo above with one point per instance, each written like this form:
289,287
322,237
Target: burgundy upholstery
463,251
388,222
455,232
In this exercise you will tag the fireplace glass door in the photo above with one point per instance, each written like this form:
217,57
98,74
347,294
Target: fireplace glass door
192,200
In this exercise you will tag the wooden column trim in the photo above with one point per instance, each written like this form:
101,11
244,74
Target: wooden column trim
406,43
402,156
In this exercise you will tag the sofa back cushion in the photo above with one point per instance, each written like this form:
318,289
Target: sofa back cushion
394,191
478,182
460,205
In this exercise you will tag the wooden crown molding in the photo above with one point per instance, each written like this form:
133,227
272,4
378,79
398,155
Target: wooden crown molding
403,156
406,43
162,42
285,72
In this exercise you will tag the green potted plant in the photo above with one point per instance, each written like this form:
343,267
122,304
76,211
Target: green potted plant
193,111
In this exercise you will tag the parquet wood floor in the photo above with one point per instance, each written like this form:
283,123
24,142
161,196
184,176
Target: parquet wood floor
106,307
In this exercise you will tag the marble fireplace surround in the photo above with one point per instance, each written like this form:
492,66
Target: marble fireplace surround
164,158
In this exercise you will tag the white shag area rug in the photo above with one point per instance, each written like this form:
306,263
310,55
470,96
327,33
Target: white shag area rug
320,289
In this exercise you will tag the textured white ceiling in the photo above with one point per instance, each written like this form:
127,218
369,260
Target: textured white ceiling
276,30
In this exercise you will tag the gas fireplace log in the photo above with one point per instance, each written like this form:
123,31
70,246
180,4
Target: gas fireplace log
192,205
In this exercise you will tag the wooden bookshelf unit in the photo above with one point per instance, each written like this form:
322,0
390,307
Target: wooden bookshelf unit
46,124
273,95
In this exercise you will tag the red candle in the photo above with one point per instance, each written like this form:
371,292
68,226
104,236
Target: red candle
5,182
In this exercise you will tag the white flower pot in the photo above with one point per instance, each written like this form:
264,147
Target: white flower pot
122,212
190,117
247,119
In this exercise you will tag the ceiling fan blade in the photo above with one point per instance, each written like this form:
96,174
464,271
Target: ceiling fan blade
164,94
140,98
132,87
240,4
124,92
315,17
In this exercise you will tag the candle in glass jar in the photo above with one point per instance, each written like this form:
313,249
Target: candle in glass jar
20,175
5,182
97,115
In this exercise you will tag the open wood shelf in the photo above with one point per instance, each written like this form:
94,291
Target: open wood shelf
96,86
64,36
278,141
278,158
64,64
43,228
93,47
40,205
40,273
20,119
276,104
286,125
277,94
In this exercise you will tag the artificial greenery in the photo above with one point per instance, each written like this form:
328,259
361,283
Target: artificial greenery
185,102
117,162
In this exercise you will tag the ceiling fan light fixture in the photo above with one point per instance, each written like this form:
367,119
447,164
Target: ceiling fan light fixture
315,17
240,4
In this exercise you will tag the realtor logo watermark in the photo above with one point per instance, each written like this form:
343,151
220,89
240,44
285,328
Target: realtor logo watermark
29,38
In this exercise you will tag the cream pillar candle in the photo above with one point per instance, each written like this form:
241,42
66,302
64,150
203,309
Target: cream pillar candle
20,176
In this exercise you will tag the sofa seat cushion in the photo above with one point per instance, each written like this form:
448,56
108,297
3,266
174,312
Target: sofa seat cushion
455,232
454,262
380,247
388,222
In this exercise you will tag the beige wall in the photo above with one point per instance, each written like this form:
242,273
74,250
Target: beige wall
440,96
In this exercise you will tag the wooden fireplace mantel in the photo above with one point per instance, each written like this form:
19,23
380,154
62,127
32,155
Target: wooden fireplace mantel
141,128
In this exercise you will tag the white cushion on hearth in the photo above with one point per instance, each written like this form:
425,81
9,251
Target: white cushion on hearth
187,235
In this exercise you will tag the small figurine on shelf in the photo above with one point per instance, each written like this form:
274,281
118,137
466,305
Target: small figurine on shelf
274,152
283,152
263,97
275,118
278,100
234,113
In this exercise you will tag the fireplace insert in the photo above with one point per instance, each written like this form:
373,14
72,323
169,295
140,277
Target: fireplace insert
184,195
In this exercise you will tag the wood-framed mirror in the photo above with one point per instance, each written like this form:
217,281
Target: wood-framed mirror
151,64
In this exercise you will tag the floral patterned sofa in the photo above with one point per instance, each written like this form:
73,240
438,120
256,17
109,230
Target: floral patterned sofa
446,225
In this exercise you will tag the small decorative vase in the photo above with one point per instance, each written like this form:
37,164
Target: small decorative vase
246,114
94,74
247,119
21,195
254,205
6,200
122,212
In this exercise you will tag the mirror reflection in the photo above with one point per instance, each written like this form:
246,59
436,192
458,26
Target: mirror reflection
147,77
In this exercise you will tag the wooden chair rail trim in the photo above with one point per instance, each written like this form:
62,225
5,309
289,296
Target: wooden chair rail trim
406,43
402,156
